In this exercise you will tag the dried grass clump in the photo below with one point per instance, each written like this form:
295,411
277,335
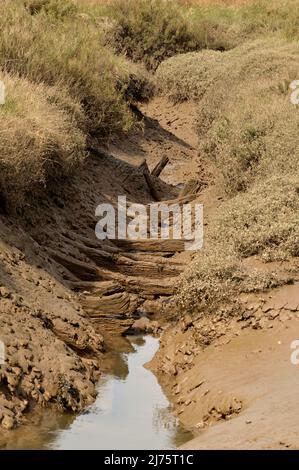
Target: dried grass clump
151,31
245,72
213,74
62,85
245,20
68,53
255,136
187,76
39,139
56,8
245,120
217,276
134,81
264,220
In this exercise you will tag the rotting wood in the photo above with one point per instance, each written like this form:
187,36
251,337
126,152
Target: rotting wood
97,288
192,187
116,304
144,169
107,245
151,186
154,257
145,268
82,270
127,265
152,245
160,166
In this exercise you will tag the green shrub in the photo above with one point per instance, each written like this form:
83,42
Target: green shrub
56,8
151,31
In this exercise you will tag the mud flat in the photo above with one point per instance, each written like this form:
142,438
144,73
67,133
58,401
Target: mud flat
233,382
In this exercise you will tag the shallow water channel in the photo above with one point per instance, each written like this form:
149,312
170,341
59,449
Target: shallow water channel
131,412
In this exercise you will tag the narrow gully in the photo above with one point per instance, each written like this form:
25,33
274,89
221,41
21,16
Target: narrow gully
131,411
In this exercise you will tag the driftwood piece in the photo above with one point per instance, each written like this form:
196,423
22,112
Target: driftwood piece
145,268
119,304
151,186
116,282
143,168
160,166
146,287
127,265
155,258
105,245
82,270
159,245
192,187
97,288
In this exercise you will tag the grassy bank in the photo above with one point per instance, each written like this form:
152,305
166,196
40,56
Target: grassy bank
248,128
62,83
73,62
153,30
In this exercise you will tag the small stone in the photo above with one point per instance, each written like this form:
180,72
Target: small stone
199,425
8,422
4,292
187,322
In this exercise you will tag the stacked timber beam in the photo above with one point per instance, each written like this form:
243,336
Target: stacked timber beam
114,279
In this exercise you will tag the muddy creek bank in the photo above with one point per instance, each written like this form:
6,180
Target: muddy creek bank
131,411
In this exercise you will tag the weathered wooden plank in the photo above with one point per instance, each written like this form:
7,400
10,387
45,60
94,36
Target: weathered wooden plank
82,270
151,245
116,304
160,166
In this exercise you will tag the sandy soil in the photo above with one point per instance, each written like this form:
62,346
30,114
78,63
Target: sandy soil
255,371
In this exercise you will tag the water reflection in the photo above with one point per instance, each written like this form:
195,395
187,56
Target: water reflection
39,433
131,411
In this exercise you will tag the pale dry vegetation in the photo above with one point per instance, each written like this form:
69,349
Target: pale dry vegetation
87,90
248,128
70,53
39,139
191,76
151,30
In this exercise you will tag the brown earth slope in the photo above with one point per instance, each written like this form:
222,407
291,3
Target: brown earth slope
63,293
61,288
